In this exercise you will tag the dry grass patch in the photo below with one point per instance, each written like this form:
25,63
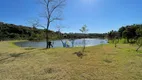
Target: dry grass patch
100,63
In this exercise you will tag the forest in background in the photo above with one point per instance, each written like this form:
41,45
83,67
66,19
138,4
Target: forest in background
19,32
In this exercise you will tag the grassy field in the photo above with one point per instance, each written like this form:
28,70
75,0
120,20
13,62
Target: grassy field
103,62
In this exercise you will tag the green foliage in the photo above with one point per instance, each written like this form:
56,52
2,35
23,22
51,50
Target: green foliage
139,32
121,30
130,32
112,35
116,41
139,41
18,32
84,29
127,34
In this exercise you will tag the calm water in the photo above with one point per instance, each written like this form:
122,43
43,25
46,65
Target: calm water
58,43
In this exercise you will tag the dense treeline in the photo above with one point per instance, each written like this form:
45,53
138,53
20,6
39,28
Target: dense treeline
130,32
89,35
18,32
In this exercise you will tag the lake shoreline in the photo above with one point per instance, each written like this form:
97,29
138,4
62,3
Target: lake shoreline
57,43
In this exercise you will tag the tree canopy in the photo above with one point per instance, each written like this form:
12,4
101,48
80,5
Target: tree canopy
129,32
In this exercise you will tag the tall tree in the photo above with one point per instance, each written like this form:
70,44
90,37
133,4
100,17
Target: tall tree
114,36
128,34
121,31
51,13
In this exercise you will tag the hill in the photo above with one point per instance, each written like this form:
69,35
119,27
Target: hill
19,32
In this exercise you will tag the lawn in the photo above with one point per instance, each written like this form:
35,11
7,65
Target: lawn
103,62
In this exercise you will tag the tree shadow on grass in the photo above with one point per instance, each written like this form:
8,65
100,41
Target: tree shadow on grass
107,61
12,56
119,47
15,55
43,49
140,55
139,51
30,48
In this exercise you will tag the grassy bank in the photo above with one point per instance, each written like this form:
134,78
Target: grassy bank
100,63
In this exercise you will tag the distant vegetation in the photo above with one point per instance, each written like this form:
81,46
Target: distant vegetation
19,32
129,34
88,35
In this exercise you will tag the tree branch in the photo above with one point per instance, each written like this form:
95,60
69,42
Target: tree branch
55,19
57,6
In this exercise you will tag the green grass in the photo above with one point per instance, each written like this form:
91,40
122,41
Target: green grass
100,63
121,41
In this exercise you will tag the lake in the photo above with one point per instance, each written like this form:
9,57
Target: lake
58,43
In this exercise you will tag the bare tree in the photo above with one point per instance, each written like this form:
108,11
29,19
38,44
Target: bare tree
35,23
72,39
60,35
51,13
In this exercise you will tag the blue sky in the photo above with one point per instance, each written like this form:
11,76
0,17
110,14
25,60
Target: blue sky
99,15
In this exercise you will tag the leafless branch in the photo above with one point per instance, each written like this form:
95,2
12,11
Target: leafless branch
35,23
50,9
53,19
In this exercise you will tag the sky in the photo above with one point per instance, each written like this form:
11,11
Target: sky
100,16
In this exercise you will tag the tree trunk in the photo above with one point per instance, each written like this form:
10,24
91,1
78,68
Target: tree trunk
113,40
73,43
63,43
47,36
138,48
47,39
83,45
115,45
83,49
127,40
60,37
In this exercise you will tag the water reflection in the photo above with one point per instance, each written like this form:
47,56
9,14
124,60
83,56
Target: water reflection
58,43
